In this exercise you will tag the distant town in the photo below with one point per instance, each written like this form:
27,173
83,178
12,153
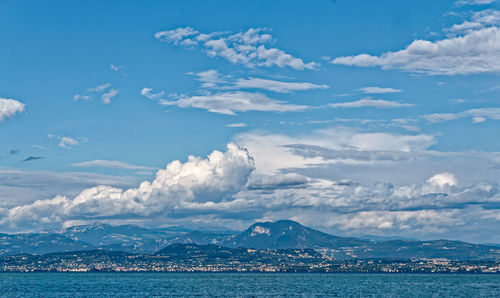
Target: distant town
211,258
282,246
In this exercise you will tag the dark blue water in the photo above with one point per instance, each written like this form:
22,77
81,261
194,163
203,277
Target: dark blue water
247,285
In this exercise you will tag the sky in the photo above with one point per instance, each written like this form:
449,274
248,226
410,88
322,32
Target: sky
353,117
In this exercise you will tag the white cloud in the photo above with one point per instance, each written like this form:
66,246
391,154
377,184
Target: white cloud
100,88
213,79
441,180
276,152
113,164
78,97
176,36
473,2
236,125
197,181
210,78
9,107
106,97
378,90
368,102
231,102
147,92
276,86
476,52
67,142
245,48
478,115
479,19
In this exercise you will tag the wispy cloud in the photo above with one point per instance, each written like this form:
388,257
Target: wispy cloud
106,93
246,48
113,164
368,102
230,103
473,2
478,115
378,90
276,86
236,125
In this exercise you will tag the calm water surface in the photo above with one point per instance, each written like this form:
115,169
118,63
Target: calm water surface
247,285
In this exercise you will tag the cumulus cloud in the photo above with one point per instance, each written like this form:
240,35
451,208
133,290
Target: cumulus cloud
476,52
479,19
198,180
67,142
368,102
113,164
229,103
106,97
246,48
9,107
225,190
378,90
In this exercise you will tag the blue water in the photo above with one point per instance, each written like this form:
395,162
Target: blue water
247,285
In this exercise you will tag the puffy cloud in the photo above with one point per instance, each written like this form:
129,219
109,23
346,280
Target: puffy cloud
245,48
176,36
23,187
480,19
231,102
106,97
68,142
378,90
368,102
9,107
113,164
476,52
198,180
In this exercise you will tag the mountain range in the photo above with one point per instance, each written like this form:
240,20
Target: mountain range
283,234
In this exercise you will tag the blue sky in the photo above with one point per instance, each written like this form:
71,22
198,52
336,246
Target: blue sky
354,117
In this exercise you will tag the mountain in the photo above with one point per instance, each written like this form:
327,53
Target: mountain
283,234
202,238
39,243
290,234
128,238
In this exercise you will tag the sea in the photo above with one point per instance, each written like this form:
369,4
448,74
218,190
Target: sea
247,285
